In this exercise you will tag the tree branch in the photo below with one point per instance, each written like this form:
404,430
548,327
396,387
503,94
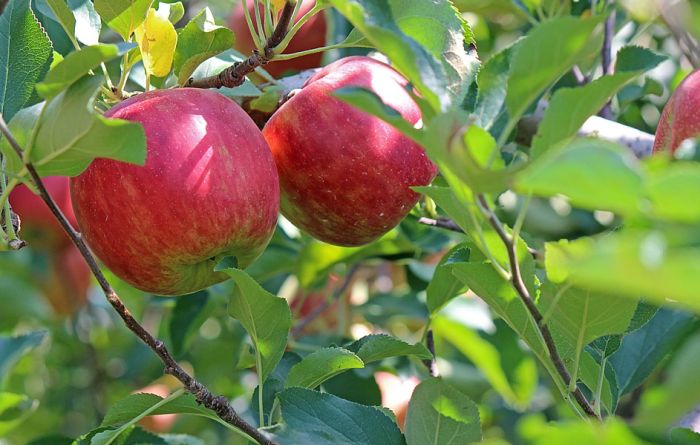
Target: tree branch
218,404
318,310
234,75
524,293
431,364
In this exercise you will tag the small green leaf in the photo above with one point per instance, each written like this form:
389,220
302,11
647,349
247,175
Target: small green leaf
25,55
322,365
199,40
73,67
64,15
265,317
547,53
441,414
188,315
13,348
487,358
592,173
123,16
14,409
372,348
445,286
673,191
311,417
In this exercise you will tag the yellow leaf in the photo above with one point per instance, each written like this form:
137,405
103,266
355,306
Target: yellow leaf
157,39
277,5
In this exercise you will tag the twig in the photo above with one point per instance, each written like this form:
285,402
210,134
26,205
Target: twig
318,310
608,34
218,404
524,293
235,75
447,224
430,363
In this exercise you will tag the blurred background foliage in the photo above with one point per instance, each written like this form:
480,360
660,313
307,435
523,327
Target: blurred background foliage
87,360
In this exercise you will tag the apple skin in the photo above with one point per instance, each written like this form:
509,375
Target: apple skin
209,189
680,118
40,228
346,175
311,35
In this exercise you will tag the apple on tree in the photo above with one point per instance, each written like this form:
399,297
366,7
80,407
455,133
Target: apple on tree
346,176
311,35
208,190
680,119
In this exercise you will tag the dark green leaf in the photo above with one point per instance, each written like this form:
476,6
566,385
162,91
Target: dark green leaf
372,348
188,316
322,365
322,419
13,348
445,286
25,53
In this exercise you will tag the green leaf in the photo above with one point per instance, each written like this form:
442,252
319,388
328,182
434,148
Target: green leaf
174,12
441,414
188,315
673,191
490,361
374,18
642,351
588,371
78,19
73,67
265,317
123,16
546,54
445,286
322,365
570,107
13,348
490,112
14,409
500,296
610,432
64,15
592,173
576,317
323,419
630,263
25,55
129,408
372,348
663,405
369,102
71,133
317,258
199,40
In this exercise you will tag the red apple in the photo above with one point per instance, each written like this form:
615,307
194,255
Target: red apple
680,119
396,393
311,35
161,423
68,281
345,175
209,189
40,228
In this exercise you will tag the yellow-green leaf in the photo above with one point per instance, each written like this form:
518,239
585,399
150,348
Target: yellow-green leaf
157,39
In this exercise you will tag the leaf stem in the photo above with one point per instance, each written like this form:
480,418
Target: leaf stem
257,38
315,51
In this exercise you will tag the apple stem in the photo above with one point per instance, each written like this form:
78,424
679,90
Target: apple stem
219,404
524,294
234,75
